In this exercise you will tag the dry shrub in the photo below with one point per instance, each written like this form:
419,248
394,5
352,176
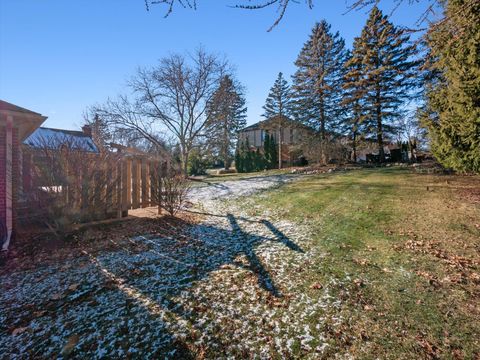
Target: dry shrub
170,187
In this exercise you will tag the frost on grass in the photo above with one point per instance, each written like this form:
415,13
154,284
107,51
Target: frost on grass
228,286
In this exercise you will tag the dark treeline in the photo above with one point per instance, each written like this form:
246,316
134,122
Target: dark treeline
389,89
359,94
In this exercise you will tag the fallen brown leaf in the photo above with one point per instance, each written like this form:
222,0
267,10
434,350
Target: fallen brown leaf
56,296
38,314
73,287
19,330
316,286
70,345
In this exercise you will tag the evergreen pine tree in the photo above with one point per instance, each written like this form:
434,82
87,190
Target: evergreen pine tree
241,159
226,116
317,83
387,73
278,108
238,159
353,100
279,100
258,160
452,113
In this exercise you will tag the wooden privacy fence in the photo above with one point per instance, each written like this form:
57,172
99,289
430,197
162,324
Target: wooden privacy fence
130,186
136,184
86,187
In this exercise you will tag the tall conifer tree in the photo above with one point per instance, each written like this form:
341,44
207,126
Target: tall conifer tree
452,112
317,83
353,100
383,57
226,115
279,100
278,107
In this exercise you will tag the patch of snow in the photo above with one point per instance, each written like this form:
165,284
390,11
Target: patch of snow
233,287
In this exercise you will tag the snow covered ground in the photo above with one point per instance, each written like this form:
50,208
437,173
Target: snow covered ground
235,188
229,287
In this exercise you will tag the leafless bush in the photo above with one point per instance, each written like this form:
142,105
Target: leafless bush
170,187
70,183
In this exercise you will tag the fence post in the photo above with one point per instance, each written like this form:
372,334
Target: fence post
129,183
109,196
136,170
145,183
153,176
124,187
119,190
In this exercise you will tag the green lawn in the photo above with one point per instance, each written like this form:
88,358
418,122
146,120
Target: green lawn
404,248
364,264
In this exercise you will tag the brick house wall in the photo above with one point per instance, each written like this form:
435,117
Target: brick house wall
16,151
16,124
3,175
15,174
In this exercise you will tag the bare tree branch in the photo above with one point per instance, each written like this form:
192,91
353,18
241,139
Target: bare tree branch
282,6
171,96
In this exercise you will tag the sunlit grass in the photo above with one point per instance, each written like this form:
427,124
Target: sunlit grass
399,302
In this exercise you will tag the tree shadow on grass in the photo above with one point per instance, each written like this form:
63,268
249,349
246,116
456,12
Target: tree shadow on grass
174,263
130,299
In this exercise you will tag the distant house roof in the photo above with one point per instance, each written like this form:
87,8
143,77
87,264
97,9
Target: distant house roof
56,138
265,124
10,107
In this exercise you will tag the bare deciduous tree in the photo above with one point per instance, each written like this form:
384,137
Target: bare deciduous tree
176,94
125,122
170,97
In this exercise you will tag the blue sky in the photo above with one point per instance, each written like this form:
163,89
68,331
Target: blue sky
59,56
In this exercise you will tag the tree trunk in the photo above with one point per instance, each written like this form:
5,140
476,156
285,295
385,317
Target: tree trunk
381,152
184,160
226,142
226,161
279,147
323,156
354,145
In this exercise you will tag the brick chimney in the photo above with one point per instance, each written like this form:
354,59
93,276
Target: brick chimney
87,130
